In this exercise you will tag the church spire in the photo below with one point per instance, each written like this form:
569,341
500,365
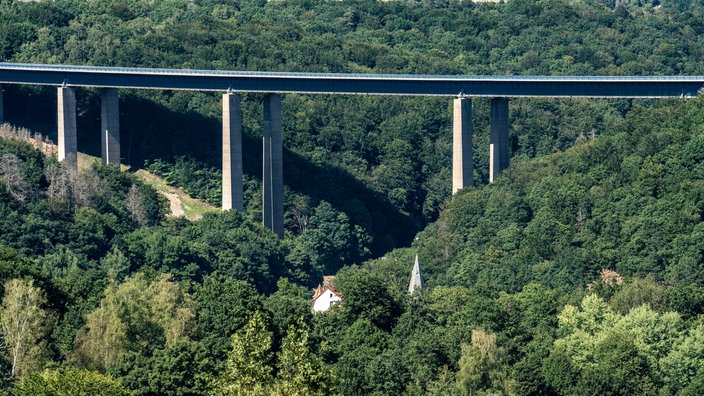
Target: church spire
417,282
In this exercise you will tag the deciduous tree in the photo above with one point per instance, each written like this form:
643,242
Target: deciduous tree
24,325
13,177
135,316
75,382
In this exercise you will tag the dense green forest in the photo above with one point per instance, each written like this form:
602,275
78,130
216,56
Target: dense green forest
579,271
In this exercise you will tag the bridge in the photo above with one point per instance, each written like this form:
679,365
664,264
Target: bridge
232,83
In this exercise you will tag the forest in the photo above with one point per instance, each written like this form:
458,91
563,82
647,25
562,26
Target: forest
579,271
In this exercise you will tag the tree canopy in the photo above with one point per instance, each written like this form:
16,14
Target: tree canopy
578,271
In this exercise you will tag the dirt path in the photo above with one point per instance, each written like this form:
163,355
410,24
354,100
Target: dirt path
175,203
180,204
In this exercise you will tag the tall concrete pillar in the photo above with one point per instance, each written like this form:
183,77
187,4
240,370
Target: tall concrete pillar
273,178
462,166
232,195
110,125
498,141
68,146
2,110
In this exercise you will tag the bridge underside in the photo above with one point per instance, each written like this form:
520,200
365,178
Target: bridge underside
499,88
365,84
272,145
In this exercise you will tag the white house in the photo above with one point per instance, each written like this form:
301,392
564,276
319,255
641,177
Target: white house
325,297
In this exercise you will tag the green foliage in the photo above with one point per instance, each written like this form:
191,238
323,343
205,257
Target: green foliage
24,326
393,152
363,367
13,265
637,293
289,305
481,366
70,382
136,315
224,306
248,369
601,350
681,366
368,296
616,187
559,220
197,179
330,241
177,369
300,371
226,243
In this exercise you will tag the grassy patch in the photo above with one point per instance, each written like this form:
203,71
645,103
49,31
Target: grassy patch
181,203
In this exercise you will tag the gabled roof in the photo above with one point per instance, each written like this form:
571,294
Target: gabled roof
318,291
324,298
322,289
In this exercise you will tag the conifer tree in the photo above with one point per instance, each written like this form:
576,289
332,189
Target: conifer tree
247,371
300,371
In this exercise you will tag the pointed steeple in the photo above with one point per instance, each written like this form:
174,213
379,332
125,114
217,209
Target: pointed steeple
417,282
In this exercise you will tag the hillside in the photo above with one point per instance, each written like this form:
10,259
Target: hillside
579,271
629,200
574,273
391,154
564,258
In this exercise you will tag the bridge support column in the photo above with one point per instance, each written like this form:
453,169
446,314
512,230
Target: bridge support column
110,123
68,146
462,166
2,109
272,179
498,141
232,195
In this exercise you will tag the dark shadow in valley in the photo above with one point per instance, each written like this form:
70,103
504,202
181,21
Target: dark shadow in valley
150,131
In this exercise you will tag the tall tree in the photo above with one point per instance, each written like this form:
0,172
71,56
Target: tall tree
482,366
136,315
13,177
248,370
24,325
135,205
300,371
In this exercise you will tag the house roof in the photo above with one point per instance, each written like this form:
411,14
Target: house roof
318,291
329,280
322,289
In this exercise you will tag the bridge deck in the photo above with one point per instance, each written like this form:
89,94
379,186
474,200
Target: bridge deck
372,84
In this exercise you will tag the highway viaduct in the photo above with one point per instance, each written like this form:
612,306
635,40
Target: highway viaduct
231,83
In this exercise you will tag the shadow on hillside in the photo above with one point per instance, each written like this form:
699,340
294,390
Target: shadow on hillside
150,131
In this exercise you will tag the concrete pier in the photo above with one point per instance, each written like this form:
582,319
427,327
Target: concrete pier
462,165
110,126
2,109
273,178
232,194
68,146
498,141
